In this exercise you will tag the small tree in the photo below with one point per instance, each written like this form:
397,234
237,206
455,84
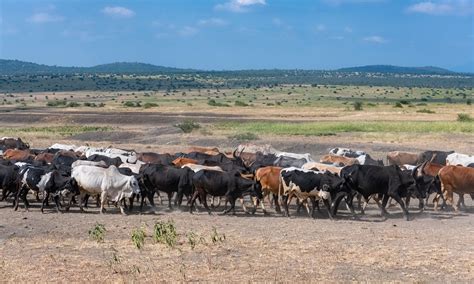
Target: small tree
358,106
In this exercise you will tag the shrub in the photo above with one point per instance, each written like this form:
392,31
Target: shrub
468,102
358,106
56,103
165,233
73,104
97,232
138,237
464,117
131,104
188,126
247,136
212,102
398,104
150,105
425,111
240,103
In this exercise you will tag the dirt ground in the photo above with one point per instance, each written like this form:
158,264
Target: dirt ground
35,247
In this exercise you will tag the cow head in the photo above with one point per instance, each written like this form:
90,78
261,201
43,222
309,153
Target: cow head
134,185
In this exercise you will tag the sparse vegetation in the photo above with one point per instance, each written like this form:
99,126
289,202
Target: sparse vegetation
97,233
425,111
150,105
247,136
213,102
165,233
138,237
358,106
240,103
188,126
217,237
398,104
464,117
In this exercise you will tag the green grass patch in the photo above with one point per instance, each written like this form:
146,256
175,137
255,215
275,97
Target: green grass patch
165,233
213,102
65,130
150,105
138,237
188,126
464,117
334,127
97,233
247,136
425,111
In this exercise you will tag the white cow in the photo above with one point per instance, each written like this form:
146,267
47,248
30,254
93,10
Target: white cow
89,163
305,156
322,167
196,168
63,147
108,182
346,152
125,159
135,168
456,159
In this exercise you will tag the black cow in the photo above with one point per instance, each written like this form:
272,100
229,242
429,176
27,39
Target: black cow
437,157
262,160
228,184
109,161
388,181
167,179
8,179
471,165
371,161
12,143
286,162
309,184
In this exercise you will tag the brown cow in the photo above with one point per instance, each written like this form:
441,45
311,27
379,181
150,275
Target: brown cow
322,167
269,179
207,150
13,143
155,158
18,155
401,158
179,162
334,159
429,169
457,179
46,157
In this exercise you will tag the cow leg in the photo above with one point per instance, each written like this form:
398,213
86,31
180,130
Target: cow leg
328,207
203,196
82,196
407,201
402,205
384,203
314,203
45,199
448,195
37,196
170,195
284,200
131,202
461,201
277,204
232,205
57,203
103,200
241,199
122,209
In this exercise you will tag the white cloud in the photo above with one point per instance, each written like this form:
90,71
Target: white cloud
320,28
212,22
375,39
341,2
188,31
348,29
117,11
442,7
238,5
44,17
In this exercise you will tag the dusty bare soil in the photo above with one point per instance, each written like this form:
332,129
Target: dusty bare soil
35,247
434,247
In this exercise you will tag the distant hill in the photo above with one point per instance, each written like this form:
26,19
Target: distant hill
428,70
17,67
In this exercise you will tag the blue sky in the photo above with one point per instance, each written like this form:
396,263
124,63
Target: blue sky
240,34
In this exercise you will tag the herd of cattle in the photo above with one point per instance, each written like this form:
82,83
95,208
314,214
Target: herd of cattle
69,175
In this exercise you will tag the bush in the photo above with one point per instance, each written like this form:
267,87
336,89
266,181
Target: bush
468,102
56,103
358,106
212,102
464,117
97,232
398,104
188,126
150,105
240,103
131,104
73,104
216,237
138,237
425,111
247,136
165,233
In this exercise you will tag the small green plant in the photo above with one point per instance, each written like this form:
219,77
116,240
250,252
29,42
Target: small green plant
216,237
240,103
131,104
194,239
398,104
150,105
73,104
213,102
358,106
425,111
188,126
464,117
165,233
97,232
247,136
468,102
138,237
